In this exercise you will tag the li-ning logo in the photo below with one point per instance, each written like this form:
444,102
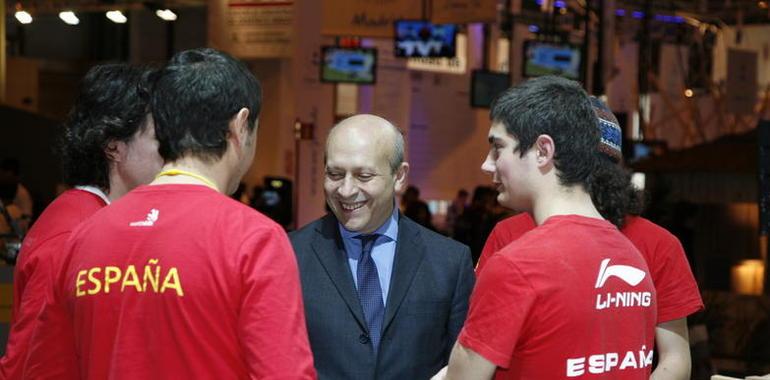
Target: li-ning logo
152,217
631,276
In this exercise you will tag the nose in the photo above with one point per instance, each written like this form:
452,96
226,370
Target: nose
347,188
488,166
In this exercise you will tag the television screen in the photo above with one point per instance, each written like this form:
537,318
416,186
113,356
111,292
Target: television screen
421,39
348,65
486,86
547,58
640,150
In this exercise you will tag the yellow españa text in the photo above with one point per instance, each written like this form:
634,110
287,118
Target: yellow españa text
108,279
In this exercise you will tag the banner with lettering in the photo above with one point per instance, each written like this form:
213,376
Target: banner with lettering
463,11
367,18
252,28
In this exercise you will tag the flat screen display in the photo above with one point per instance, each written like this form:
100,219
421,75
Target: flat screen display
640,150
421,39
547,58
486,86
348,65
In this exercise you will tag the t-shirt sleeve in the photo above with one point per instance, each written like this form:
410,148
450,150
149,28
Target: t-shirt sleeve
52,345
32,280
271,323
678,294
500,306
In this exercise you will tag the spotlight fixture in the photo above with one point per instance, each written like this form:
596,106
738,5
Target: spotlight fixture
69,17
23,17
688,93
166,14
117,17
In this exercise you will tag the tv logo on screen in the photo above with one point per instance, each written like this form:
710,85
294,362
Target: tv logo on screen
420,48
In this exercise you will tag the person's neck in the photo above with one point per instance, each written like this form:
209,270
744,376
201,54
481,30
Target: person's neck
118,188
562,200
194,171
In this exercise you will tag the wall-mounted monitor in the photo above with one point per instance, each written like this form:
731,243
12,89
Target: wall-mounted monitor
549,58
486,86
348,65
421,39
643,149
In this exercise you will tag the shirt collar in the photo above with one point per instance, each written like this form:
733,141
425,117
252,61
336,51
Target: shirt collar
389,228
96,191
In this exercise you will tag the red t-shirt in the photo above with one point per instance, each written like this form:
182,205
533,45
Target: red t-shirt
571,298
34,270
678,294
175,282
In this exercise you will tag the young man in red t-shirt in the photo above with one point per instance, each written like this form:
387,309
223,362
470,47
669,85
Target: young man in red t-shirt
677,291
108,147
573,298
176,280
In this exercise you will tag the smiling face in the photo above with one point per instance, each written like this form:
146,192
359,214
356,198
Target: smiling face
359,184
510,171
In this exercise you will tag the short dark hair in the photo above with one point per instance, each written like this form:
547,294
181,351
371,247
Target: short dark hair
111,105
557,107
194,98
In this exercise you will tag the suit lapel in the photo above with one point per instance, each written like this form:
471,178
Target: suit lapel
409,254
330,251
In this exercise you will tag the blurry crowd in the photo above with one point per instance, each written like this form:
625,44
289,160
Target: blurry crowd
467,221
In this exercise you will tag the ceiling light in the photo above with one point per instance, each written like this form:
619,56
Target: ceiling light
688,93
117,17
69,17
21,15
24,17
166,14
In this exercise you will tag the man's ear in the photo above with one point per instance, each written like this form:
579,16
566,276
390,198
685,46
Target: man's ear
545,149
115,151
401,174
239,126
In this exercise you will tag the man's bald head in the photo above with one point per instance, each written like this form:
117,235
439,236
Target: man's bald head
377,129
364,171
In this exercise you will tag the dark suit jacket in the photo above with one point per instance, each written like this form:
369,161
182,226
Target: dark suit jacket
430,286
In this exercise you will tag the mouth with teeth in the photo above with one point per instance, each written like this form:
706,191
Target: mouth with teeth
351,207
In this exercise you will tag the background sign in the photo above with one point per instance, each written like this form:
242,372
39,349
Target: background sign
252,28
456,65
367,18
463,11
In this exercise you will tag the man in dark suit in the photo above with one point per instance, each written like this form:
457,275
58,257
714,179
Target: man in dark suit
385,298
